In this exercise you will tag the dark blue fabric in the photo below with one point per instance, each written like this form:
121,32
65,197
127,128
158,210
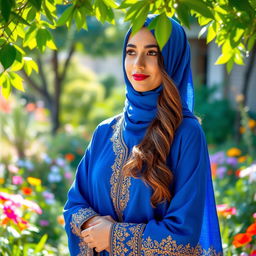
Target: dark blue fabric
188,225
141,107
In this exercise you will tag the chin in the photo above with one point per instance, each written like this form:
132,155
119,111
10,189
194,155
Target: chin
140,88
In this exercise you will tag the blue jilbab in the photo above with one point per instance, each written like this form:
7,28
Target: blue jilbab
188,225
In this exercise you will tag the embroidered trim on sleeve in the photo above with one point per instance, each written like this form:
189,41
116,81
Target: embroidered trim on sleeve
168,246
84,249
80,217
126,239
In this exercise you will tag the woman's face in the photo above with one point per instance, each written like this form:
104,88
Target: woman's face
141,61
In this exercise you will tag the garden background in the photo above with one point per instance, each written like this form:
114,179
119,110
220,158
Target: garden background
55,90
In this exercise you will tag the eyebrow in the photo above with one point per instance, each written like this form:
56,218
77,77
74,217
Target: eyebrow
146,46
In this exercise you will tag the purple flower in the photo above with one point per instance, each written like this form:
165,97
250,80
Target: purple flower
221,171
44,223
231,161
218,158
55,169
49,197
60,162
54,177
46,158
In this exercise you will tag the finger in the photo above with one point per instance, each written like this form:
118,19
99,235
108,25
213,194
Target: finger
87,239
90,245
98,249
86,232
93,223
108,217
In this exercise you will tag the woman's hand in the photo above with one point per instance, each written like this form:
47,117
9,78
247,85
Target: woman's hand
97,233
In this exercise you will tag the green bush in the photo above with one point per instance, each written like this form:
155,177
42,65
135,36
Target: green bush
217,115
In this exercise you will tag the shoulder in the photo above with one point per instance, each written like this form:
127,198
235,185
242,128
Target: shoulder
108,123
103,132
105,128
189,133
188,144
189,127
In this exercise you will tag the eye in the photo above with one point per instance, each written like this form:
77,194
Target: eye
153,53
129,52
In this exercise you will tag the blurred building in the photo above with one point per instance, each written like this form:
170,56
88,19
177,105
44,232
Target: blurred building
205,72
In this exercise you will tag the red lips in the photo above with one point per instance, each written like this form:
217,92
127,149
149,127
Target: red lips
139,77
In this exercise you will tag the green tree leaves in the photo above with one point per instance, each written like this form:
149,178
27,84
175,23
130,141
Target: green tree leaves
230,23
66,15
7,55
162,24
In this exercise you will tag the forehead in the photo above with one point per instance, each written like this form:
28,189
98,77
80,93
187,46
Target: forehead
142,37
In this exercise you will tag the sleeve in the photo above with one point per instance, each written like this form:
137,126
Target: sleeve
77,209
179,230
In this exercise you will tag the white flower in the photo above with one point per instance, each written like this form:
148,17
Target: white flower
249,171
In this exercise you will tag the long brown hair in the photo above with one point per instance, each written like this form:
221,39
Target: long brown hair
152,152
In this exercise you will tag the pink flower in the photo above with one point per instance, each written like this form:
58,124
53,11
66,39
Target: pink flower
13,199
68,175
32,206
254,215
9,212
18,200
12,168
44,223
253,253
17,180
225,210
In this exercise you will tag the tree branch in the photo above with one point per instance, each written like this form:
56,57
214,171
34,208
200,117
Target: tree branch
68,59
36,87
42,74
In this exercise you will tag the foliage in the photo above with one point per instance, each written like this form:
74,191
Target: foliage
231,23
44,175
35,177
18,126
210,110
79,94
18,219
234,177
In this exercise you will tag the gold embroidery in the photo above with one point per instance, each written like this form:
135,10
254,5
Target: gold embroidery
170,247
119,183
123,231
126,240
78,219
84,249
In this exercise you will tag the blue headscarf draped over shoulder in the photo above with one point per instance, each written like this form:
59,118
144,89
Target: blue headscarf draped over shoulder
141,107
188,225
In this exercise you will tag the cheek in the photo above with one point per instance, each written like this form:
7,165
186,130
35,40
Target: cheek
127,66
154,68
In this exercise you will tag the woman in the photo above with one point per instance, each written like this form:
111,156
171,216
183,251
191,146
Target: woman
144,184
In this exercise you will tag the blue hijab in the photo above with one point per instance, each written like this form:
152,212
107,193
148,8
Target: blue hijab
186,226
141,107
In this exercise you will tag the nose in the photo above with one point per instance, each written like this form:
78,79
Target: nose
139,62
